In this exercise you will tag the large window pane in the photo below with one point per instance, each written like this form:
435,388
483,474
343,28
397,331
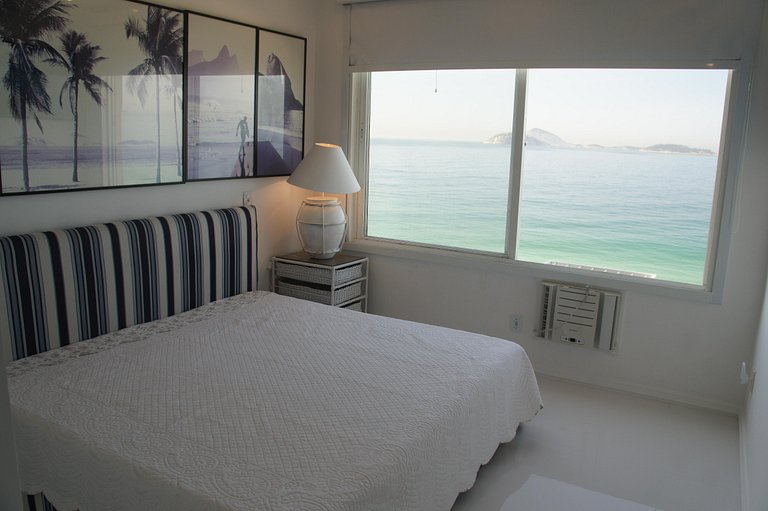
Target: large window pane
432,177
620,169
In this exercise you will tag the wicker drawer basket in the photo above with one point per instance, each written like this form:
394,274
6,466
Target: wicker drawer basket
318,275
355,306
340,295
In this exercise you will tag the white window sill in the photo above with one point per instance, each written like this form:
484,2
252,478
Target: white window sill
498,262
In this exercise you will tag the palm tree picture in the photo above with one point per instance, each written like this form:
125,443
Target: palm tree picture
176,85
160,37
80,58
24,24
117,67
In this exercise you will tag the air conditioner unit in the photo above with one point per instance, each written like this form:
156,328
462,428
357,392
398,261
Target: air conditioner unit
580,315
351,2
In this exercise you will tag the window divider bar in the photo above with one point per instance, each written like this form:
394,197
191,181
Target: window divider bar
720,197
516,163
358,153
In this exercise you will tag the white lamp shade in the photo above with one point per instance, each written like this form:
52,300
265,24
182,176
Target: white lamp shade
325,169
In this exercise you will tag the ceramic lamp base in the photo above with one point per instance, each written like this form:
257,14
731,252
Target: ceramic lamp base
322,225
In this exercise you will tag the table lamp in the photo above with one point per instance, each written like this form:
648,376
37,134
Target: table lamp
321,222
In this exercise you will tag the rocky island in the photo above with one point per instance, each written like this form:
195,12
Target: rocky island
537,137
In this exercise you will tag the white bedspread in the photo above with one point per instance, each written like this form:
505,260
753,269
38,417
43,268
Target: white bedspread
262,402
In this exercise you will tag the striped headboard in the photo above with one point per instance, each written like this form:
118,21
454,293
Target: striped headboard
63,286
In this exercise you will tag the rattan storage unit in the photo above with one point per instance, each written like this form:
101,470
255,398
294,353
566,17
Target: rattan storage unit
341,281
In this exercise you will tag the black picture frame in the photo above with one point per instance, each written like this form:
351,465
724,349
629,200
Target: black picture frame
120,124
221,98
281,90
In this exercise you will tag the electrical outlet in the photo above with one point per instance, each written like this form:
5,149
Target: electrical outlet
246,199
515,323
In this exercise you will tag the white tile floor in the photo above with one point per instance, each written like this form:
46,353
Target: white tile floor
589,441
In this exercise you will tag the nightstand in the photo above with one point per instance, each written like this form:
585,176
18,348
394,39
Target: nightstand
341,281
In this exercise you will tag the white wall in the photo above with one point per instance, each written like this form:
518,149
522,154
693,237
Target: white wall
331,85
670,347
754,426
754,421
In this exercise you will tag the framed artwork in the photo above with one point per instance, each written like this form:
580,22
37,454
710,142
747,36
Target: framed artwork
93,95
281,86
221,98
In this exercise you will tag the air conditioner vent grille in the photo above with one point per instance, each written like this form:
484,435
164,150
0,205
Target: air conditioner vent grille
579,315
546,314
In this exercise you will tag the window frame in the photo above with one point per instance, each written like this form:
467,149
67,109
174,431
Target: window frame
721,216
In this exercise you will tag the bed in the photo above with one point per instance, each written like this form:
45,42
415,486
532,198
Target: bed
221,397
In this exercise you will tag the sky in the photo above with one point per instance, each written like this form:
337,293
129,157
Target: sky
240,40
611,107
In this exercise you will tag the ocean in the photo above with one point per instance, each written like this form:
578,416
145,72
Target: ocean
630,211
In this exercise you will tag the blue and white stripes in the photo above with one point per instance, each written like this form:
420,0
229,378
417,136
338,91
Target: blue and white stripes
37,503
64,286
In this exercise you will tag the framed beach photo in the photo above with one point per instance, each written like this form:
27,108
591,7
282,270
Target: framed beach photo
93,95
221,98
281,86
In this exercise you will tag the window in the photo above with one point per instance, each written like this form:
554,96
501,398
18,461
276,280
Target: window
612,170
429,179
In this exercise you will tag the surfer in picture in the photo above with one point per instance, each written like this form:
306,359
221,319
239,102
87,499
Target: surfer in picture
242,130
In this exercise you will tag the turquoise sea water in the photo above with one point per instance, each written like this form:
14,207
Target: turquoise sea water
630,211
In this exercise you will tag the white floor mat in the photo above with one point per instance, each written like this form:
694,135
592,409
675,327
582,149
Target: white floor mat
544,494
